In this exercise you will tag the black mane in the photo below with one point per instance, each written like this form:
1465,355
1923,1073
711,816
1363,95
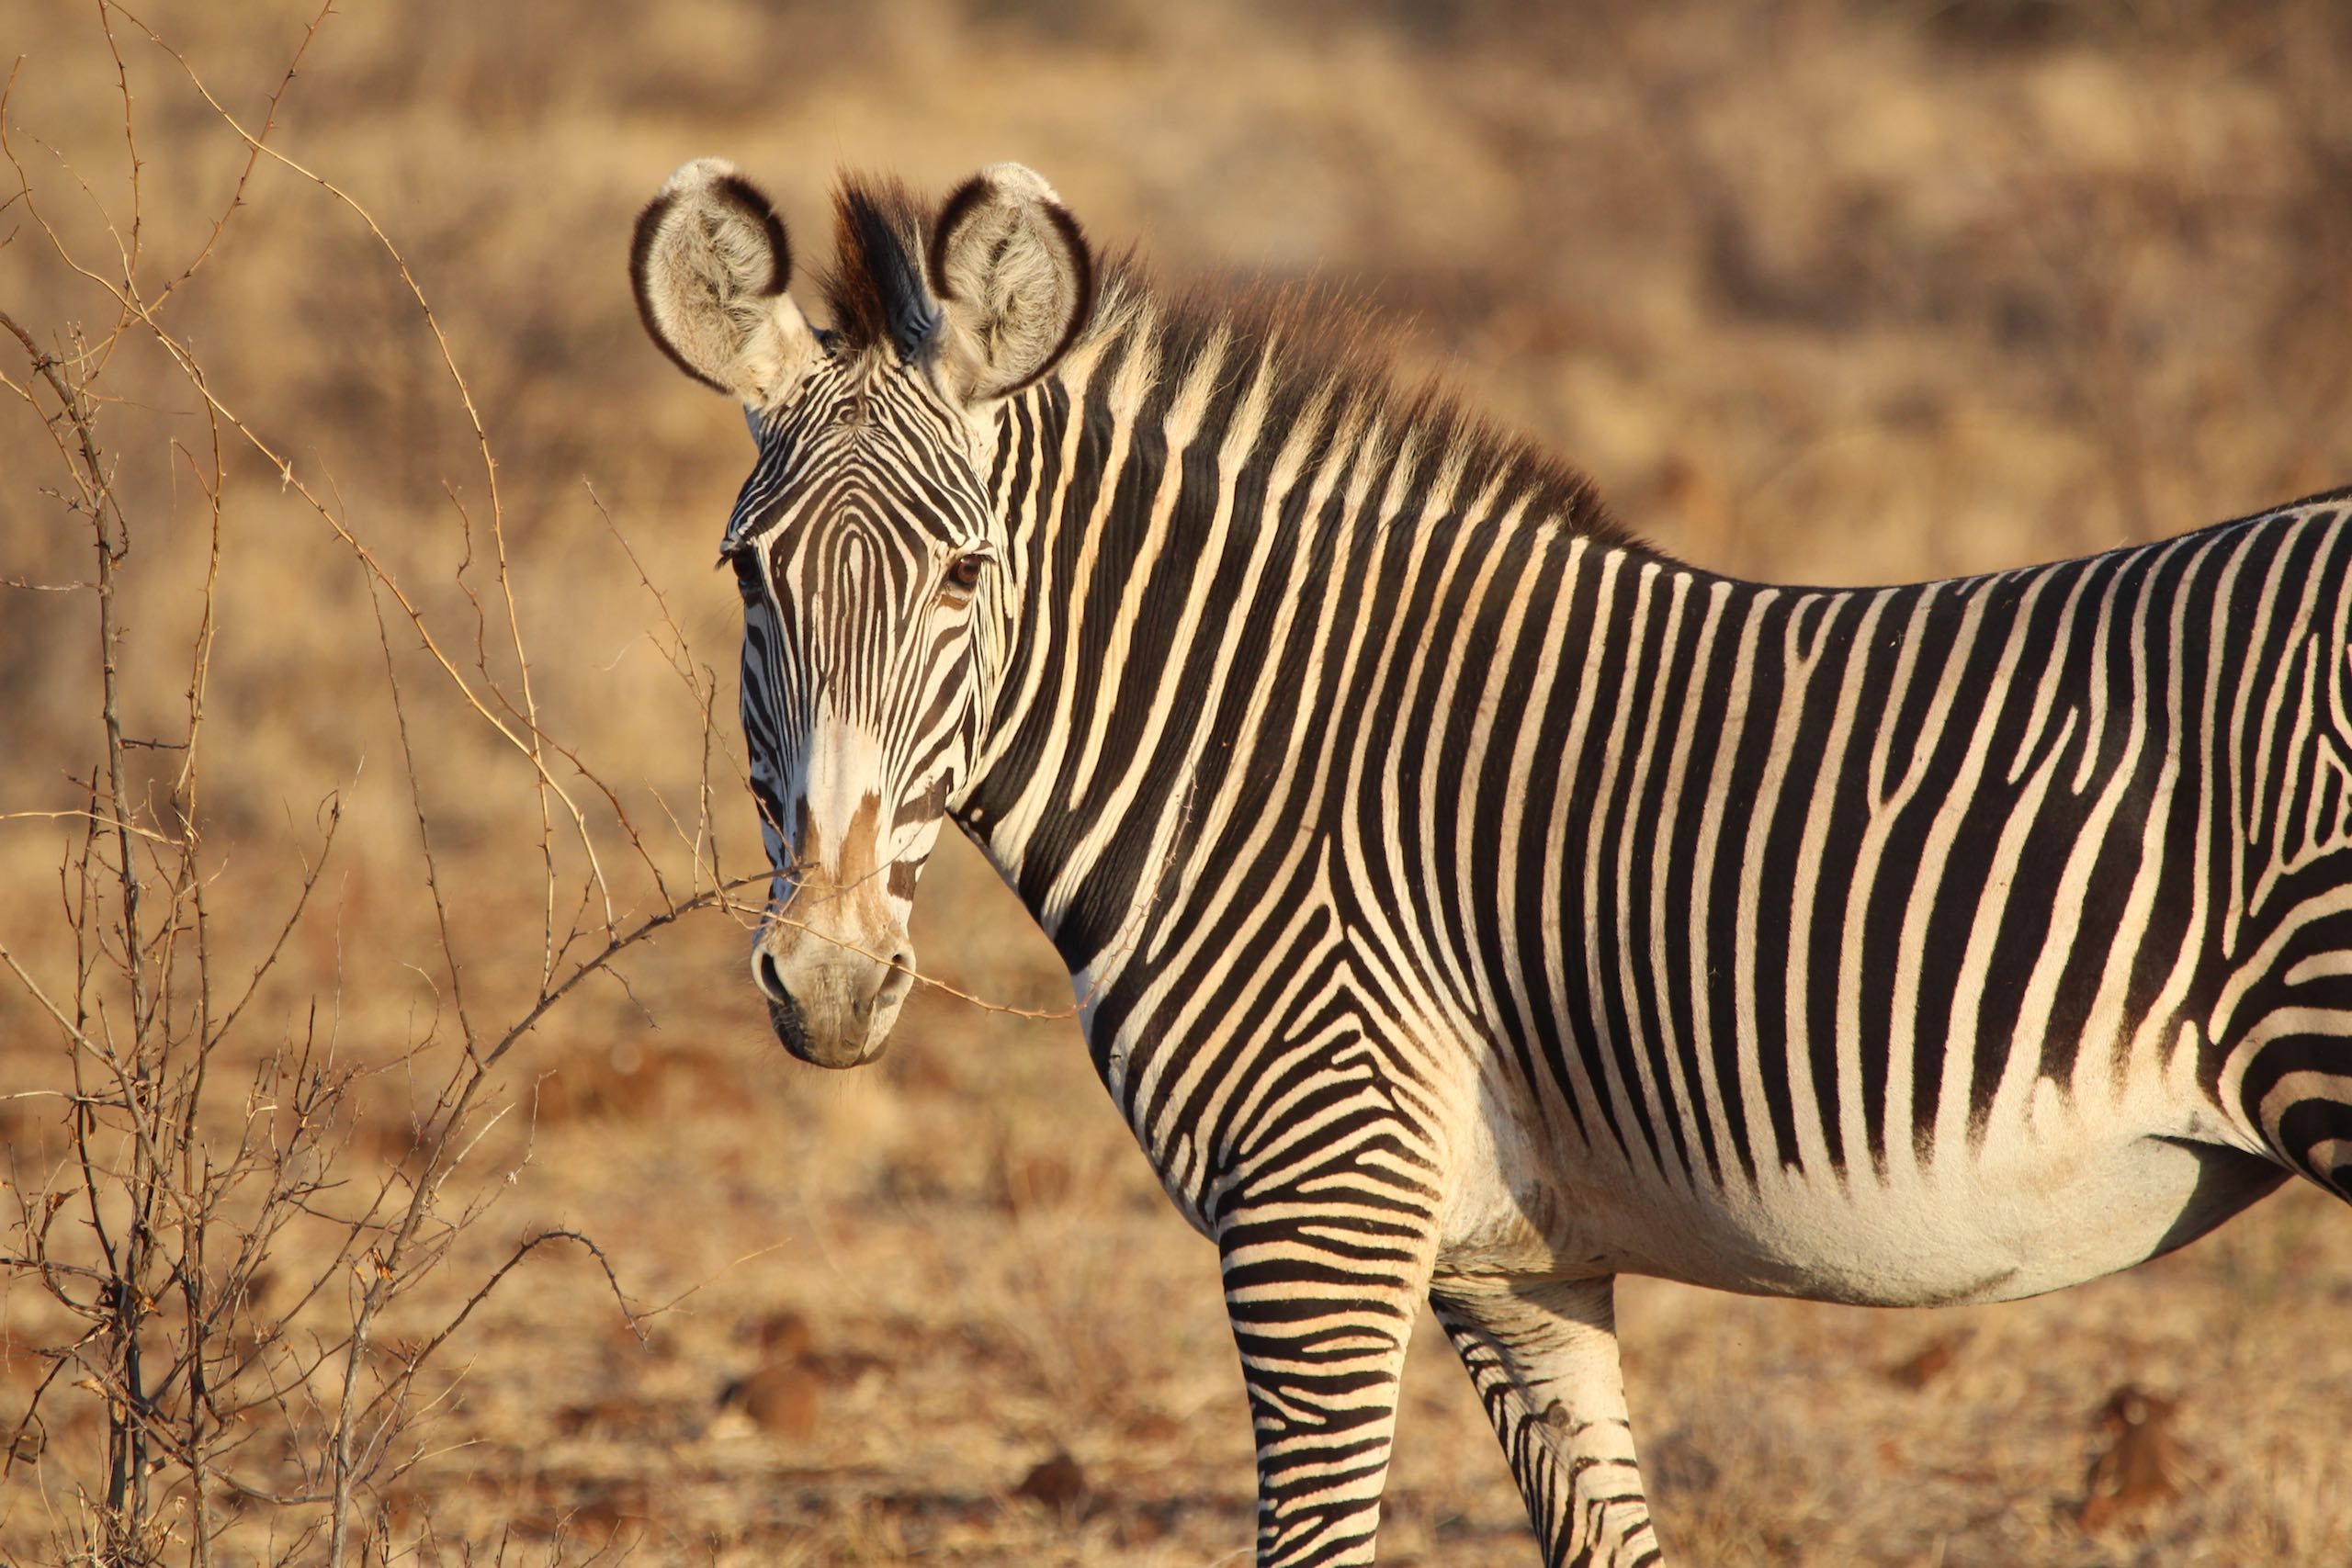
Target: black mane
1319,348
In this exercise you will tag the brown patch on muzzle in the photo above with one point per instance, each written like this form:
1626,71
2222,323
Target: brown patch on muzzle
833,961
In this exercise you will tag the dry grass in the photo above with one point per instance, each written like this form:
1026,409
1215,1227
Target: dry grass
1822,291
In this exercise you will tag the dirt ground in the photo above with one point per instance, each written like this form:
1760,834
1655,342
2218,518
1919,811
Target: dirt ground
1819,292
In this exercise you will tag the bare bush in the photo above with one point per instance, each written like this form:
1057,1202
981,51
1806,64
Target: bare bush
215,1263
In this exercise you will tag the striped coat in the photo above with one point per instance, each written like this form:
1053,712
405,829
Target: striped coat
1468,904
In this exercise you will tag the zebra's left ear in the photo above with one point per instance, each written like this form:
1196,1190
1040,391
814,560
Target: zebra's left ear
1014,278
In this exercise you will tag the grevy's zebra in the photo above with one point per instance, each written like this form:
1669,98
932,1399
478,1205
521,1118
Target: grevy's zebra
1466,901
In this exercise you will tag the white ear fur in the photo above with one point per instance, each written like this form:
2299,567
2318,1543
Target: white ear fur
709,265
1013,276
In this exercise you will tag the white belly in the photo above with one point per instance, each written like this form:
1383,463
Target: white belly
2067,1197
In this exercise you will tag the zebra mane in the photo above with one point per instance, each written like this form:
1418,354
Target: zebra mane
875,290
1323,352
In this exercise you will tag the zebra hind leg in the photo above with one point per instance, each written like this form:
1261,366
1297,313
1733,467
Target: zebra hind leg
1543,1359
2297,1094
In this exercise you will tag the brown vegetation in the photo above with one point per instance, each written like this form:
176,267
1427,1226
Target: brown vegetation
1821,291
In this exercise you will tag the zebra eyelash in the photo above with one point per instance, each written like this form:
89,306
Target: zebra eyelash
744,556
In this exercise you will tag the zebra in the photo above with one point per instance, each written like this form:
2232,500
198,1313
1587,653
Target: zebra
1467,903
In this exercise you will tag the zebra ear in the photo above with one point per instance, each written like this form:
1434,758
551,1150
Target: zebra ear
1014,278
709,263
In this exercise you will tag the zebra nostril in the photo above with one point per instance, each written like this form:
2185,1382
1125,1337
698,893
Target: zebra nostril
791,1029
897,980
890,988
769,976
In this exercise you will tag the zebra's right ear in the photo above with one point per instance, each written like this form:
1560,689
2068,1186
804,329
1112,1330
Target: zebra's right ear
709,265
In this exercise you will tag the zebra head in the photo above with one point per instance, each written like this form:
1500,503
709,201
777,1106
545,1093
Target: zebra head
879,582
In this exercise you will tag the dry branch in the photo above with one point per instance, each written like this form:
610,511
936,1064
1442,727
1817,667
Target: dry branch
187,1203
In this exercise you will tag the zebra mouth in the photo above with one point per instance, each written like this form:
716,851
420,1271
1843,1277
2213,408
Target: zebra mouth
841,1033
791,1030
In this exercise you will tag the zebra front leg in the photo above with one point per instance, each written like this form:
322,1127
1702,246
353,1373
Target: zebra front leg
1322,1305
1544,1357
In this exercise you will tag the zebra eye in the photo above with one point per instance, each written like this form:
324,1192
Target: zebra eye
963,572
746,562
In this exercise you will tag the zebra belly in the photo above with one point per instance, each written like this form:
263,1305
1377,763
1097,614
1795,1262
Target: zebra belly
2016,1217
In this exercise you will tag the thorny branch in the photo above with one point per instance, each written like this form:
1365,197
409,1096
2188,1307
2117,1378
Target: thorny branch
185,1199
216,1255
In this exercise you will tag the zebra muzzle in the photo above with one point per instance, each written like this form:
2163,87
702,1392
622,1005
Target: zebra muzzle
832,1008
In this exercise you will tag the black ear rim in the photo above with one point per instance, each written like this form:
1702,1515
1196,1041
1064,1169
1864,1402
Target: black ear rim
746,197
952,214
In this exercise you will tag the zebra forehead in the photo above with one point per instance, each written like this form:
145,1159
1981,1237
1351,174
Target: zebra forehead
884,511
872,447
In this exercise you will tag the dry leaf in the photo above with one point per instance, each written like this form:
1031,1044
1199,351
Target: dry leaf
1931,1363
782,1401
1057,1482
2143,1463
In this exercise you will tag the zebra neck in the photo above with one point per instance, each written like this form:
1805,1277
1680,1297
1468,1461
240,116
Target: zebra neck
1225,574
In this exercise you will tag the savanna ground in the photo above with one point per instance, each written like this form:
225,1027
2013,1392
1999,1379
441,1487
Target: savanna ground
1819,292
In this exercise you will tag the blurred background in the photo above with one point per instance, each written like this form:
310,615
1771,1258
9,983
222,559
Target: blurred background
1820,290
